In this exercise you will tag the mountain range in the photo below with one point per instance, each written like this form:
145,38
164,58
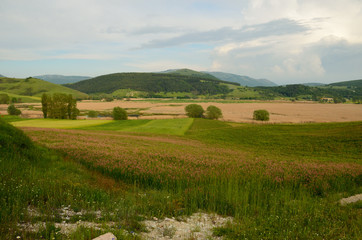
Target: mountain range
242,80
61,79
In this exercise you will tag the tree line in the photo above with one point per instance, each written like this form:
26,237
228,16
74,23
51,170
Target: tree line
59,106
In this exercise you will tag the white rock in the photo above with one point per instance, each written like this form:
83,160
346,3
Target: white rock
107,236
355,198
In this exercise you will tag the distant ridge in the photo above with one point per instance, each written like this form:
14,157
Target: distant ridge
313,84
243,80
61,79
2,75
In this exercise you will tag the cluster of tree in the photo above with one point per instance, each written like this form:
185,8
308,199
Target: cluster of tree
152,82
59,105
196,111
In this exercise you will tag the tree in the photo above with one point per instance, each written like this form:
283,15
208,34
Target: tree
44,104
119,114
194,111
213,112
12,110
262,115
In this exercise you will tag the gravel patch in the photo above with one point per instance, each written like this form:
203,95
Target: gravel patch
197,226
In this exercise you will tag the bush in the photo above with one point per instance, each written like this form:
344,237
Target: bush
261,115
194,111
119,114
12,110
93,114
4,98
213,112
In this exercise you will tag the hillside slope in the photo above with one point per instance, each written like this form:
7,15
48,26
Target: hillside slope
151,82
61,79
34,87
191,73
353,83
242,80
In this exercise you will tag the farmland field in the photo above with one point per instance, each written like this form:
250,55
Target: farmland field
277,181
280,112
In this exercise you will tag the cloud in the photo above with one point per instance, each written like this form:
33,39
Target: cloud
329,59
228,34
283,40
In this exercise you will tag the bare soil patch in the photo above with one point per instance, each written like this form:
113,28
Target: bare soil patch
243,112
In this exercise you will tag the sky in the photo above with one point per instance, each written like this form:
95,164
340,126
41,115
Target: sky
285,41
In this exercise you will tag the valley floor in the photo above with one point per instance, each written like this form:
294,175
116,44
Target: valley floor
280,112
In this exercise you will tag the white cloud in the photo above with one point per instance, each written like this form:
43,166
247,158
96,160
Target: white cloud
284,40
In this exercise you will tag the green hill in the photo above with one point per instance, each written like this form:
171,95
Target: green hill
152,83
34,87
353,83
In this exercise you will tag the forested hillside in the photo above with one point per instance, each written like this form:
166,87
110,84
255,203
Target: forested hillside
151,82
339,94
353,83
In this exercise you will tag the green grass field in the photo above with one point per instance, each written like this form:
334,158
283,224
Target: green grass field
161,126
278,181
58,123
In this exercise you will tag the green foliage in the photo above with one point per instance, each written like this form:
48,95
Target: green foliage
4,98
93,114
12,110
44,104
59,106
119,114
213,112
194,111
151,83
261,115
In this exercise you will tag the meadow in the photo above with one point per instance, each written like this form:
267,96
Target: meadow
278,181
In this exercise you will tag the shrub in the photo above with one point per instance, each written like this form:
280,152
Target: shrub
194,111
4,98
119,114
12,110
213,112
262,115
93,114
